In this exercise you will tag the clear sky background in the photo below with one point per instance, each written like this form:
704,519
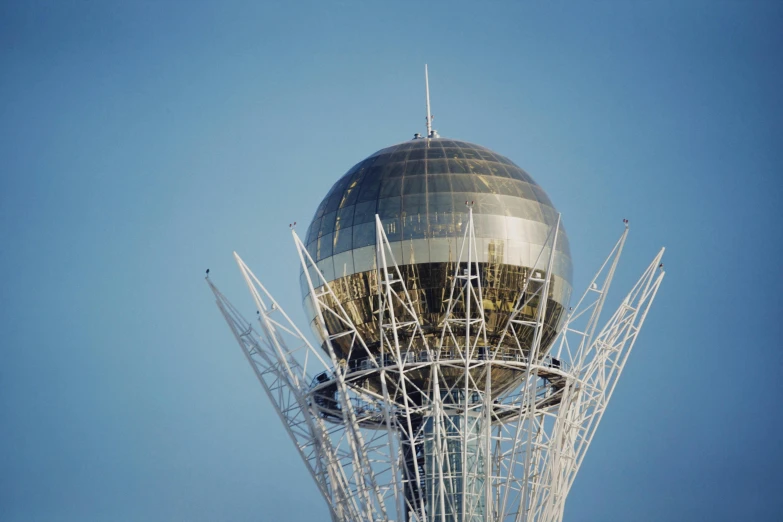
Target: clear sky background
143,142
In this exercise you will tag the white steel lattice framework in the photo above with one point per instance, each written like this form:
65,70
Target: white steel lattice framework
459,451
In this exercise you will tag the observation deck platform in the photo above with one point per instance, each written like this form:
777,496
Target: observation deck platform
367,403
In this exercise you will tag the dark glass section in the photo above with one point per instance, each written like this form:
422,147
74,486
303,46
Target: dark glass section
395,170
327,223
418,154
389,207
462,183
439,183
391,187
344,218
343,240
458,166
414,185
370,188
393,228
365,212
415,167
324,246
437,166
350,195
435,152
400,155
364,235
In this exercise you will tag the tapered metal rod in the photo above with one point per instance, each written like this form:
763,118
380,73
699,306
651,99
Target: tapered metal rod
427,89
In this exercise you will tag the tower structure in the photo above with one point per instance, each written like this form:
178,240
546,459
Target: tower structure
450,381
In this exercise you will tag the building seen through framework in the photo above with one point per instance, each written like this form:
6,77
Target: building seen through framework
451,379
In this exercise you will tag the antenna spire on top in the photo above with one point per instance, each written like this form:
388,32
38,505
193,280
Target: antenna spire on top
430,132
427,89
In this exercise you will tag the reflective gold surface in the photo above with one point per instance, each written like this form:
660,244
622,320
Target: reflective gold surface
429,286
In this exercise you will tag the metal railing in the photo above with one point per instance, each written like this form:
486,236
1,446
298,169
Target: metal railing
423,356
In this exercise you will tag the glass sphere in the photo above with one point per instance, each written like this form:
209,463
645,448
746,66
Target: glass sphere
419,189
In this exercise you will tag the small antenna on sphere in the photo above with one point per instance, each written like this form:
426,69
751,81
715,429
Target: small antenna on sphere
427,89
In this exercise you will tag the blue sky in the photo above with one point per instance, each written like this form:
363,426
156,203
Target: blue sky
142,142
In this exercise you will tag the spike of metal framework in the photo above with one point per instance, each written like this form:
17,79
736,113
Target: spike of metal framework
457,451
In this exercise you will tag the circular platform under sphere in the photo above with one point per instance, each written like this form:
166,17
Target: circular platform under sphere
419,189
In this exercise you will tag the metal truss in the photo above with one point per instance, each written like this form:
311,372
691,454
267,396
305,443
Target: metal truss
411,428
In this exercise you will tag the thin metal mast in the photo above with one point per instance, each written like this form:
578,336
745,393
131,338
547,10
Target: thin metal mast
427,88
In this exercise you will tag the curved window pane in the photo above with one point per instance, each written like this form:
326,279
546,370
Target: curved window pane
470,153
393,229
439,183
325,246
462,183
344,218
414,168
327,223
364,235
458,166
414,185
439,166
390,207
312,232
370,189
435,153
395,170
365,212
417,154
401,155
390,187
343,240
415,204
414,226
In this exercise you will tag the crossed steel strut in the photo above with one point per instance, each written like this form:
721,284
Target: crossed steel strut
507,455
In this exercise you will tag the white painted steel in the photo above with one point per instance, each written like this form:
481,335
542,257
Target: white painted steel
381,455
